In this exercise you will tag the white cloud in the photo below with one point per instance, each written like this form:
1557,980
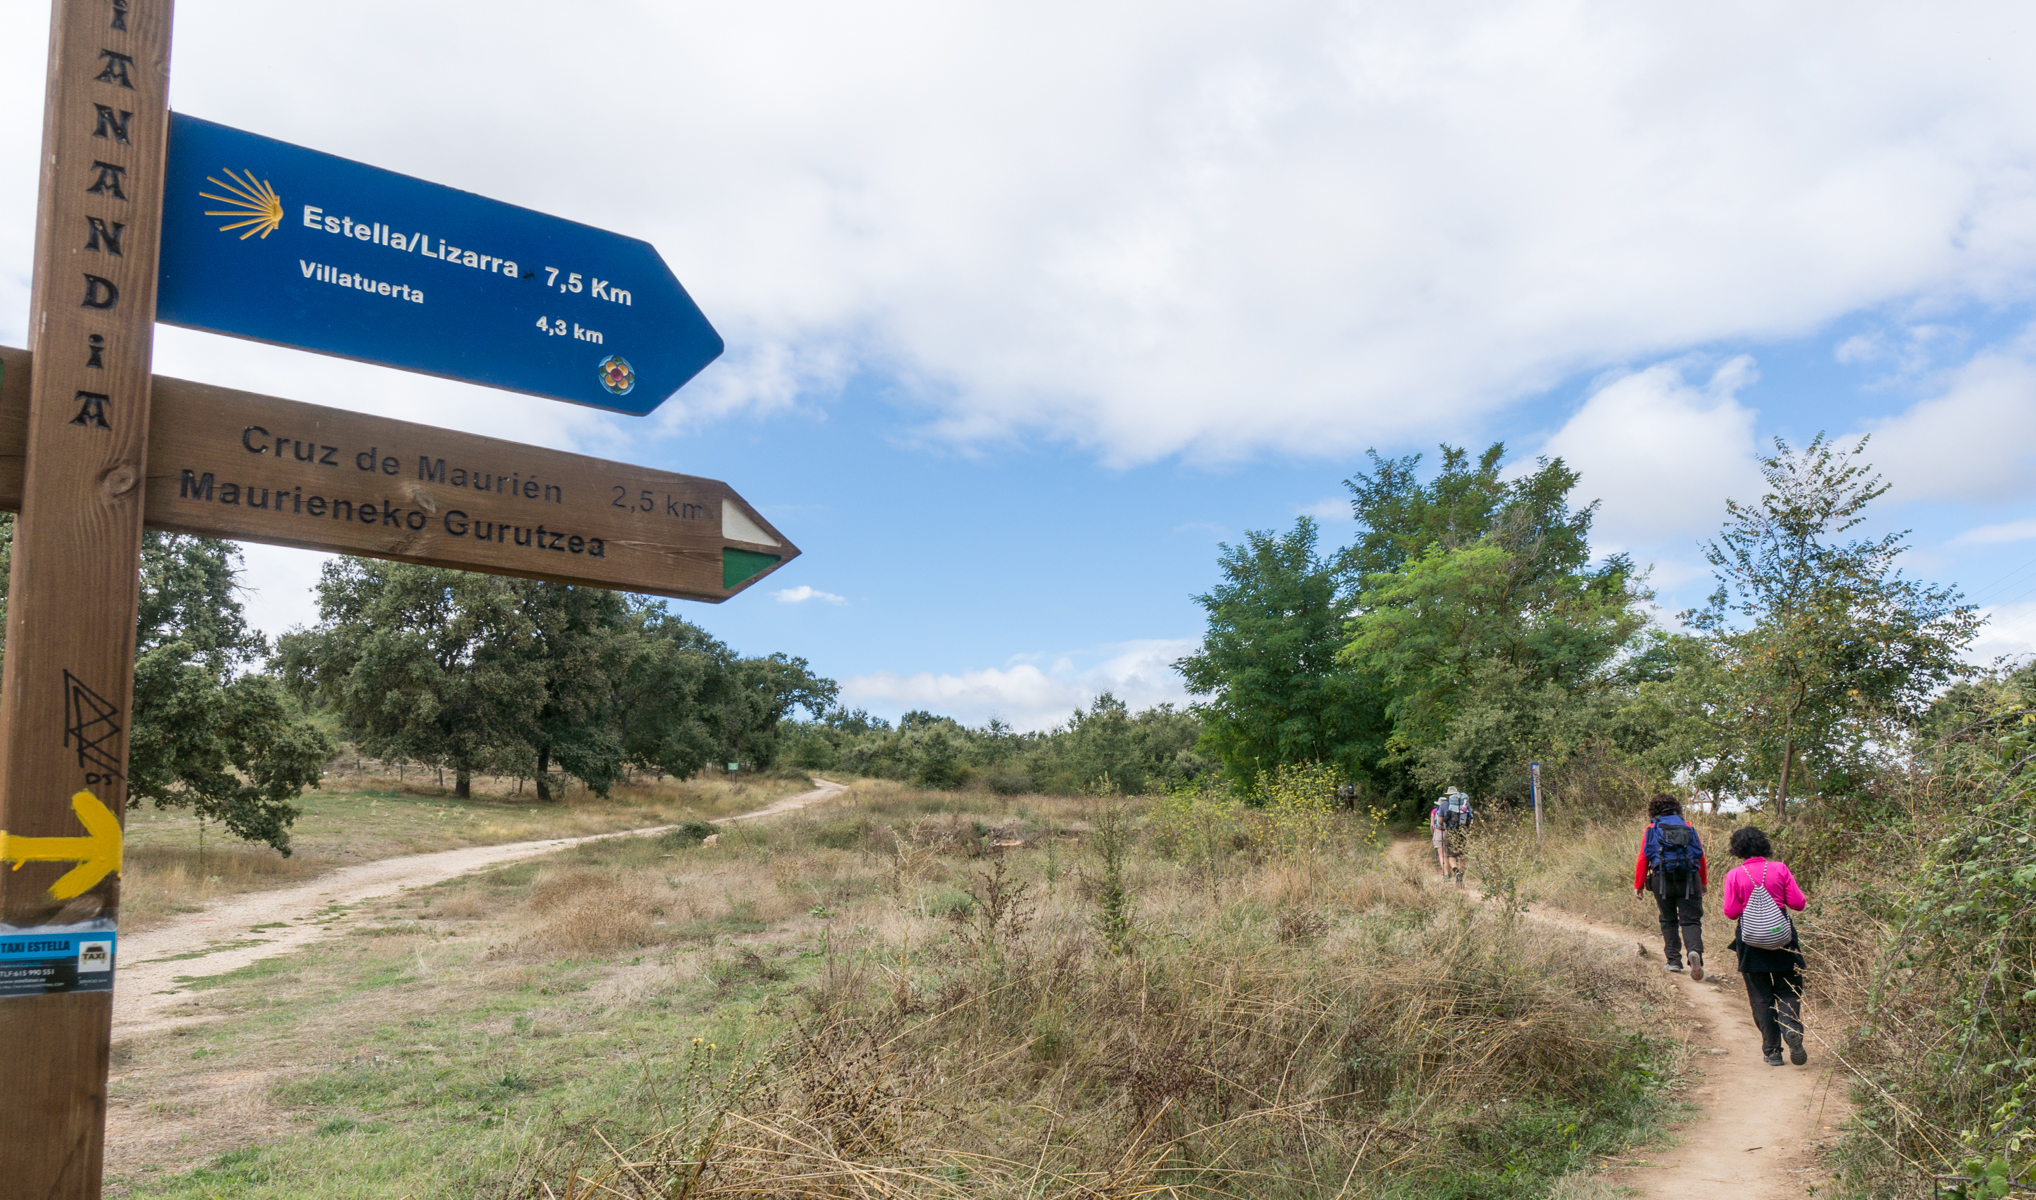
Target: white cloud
1990,535
1918,346
279,586
803,593
1976,441
1139,673
2010,630
1304,225
1662,454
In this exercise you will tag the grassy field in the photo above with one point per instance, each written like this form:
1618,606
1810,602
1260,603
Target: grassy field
1585,866
175,863
918,994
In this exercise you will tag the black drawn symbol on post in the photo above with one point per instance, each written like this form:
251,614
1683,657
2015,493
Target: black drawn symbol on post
89,725
120,15
96,343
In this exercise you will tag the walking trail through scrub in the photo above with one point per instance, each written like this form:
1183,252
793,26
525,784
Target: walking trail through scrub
1758,1129
243,929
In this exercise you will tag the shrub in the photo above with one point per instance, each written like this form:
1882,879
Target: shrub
690,834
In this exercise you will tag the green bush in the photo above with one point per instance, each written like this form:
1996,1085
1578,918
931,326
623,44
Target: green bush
688,835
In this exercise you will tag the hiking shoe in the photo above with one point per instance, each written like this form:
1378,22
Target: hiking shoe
1696,966
1797,1054
1773,1058
1671,966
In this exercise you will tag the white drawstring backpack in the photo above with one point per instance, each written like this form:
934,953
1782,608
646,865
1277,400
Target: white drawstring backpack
1764,924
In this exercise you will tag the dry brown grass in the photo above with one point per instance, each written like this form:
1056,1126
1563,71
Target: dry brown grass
1048,1067
159,882
905,1012
174,864
1327,1020
1585,867
1583,1185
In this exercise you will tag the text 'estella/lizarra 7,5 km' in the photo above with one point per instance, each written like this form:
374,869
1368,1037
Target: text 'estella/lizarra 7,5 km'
276,243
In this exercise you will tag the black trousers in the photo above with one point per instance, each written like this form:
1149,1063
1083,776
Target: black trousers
1777,999
1680,899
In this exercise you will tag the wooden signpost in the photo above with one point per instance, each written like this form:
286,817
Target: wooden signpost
69,677
85,466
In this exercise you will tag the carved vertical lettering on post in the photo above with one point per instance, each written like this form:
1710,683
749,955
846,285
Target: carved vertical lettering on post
69,667
100,292
103,236
117,65
108,181
92,410
112,125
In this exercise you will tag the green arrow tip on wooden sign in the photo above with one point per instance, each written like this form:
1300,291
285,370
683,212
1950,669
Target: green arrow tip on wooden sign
738,565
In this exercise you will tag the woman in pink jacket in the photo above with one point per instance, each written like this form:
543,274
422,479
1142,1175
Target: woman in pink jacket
1774,978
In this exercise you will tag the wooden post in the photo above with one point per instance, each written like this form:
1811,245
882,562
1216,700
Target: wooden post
69,676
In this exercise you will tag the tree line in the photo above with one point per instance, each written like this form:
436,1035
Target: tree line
1104,748
468,673
488,674
1469,631
1466,631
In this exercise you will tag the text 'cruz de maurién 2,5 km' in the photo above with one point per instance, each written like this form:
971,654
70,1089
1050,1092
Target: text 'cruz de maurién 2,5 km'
225,463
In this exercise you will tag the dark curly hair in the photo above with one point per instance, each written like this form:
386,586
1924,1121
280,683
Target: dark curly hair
1664,805
1750,842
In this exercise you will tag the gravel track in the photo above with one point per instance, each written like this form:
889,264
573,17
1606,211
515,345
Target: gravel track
238,930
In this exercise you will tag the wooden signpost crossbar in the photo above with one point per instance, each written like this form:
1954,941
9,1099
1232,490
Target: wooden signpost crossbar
84,466
232,464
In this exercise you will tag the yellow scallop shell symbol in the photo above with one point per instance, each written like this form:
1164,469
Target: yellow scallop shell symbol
256,207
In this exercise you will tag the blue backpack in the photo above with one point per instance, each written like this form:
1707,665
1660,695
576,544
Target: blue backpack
1672,845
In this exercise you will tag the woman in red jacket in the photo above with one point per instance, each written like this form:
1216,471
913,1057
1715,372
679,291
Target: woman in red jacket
1672,866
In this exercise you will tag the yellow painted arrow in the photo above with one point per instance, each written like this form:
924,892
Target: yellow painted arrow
97,853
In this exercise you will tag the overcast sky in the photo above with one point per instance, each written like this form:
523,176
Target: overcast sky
1029,307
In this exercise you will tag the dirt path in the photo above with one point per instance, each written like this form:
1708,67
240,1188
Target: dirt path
1758,1129
242,929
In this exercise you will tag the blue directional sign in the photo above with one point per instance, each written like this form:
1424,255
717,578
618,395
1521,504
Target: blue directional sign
276,243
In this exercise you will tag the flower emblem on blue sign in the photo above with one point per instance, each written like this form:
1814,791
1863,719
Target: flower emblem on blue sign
617,375
255,205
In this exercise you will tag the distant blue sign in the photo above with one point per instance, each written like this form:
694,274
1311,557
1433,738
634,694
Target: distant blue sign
276,243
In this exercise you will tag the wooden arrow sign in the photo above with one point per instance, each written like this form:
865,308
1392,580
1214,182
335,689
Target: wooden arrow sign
253,468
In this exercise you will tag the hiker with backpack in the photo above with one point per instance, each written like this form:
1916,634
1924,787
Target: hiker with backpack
1672,866
1448,824
1758,893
